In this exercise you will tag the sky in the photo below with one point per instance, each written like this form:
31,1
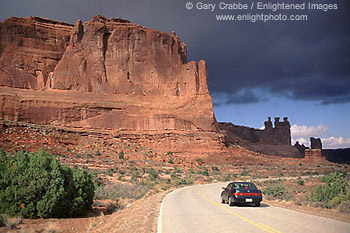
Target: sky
298,69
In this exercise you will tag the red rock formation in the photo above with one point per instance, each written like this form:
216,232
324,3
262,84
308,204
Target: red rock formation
116,56
113,75
271,140
30,48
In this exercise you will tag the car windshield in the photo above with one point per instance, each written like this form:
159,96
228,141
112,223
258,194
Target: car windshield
244,185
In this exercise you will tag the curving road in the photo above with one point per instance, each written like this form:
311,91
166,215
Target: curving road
199,209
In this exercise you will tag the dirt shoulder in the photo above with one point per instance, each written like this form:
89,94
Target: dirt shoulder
327,213
139,216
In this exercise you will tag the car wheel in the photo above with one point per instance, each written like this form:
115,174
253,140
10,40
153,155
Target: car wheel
257,204
230,201
222,201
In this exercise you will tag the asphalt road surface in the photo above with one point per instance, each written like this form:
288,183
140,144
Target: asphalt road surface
199,209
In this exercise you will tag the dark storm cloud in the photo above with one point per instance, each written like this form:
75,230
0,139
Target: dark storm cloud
244,96
247,62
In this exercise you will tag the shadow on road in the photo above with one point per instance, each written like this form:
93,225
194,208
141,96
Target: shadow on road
262,205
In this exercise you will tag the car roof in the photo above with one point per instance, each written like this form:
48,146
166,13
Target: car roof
241,182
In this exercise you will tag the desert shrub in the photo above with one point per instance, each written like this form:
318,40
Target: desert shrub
120,191
171,161
215,170
3,219
227,177
301,182
184,181
177,170
13,222
275,191
205,172
200,161
335,190
36,185
245,172
173,174
152,174
121,155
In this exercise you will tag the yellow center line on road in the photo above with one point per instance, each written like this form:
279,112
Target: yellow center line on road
269,228
260,225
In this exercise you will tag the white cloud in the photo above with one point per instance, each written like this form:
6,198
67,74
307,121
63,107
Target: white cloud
301,141
303,133
308,131
327,143
334,142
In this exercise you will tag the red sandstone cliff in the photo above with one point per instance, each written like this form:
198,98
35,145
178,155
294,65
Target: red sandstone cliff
30,48
103,74
116,56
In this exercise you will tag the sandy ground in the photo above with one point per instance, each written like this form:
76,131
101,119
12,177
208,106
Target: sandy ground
139,216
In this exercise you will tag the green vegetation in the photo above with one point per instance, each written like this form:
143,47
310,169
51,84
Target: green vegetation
275,191
245,172
301,182
171,161
3,219
200,161
184,181
36,185
228,177
152,174
121,155
335,191
205,172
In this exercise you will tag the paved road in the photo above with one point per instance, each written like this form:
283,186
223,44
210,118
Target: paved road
199,209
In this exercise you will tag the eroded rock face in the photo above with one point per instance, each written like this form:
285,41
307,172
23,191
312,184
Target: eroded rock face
30,49
103,74
116,56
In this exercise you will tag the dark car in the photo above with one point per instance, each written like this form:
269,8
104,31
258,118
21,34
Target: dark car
241,192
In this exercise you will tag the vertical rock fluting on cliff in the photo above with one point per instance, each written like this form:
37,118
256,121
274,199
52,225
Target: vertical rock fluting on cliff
116,56
101,74
30,48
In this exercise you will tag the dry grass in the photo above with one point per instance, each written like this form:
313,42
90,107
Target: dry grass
52,227
13,222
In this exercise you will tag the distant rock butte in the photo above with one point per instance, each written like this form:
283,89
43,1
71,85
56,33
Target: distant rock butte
104,74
